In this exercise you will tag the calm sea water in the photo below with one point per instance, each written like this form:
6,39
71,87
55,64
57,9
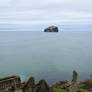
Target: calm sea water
51,56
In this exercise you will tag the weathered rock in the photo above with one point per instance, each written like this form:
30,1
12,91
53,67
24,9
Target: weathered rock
30,85
9,89
61,84
51,29
9,84
87,84
23,84
74,87
42,86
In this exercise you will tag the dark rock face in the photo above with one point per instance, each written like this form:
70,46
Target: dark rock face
41,86
61,85
51,29
87,84
30,85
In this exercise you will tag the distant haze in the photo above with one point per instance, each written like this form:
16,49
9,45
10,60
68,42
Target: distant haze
38,14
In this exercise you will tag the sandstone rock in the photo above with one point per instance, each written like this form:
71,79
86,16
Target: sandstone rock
61,84
51,29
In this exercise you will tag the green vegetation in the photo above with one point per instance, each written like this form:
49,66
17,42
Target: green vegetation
66,90
19,91
59,90
82,90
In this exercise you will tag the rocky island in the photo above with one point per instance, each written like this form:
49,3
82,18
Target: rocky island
51,29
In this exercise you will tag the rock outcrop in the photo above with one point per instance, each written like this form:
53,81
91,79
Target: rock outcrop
41,86
61,84
86,84
30,85
13,84
9,84
74,87
51,29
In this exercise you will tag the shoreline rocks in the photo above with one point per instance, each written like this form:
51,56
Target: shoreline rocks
86,84
41,86
13,83
61,84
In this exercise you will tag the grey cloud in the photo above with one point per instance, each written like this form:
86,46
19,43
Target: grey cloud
48,11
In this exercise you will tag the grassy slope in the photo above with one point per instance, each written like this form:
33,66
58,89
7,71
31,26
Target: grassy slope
65,90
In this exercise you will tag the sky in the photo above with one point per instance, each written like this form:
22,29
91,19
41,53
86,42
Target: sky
38,14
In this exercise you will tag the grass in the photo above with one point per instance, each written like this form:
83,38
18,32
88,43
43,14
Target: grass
82,90
19,91
59,90
65,90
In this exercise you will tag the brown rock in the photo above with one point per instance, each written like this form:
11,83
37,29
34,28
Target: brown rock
86,84
42,86
30,85
10,83
73,87
61,84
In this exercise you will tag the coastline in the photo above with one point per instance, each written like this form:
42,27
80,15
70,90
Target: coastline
14,83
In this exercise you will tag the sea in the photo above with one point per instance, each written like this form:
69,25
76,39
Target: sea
46,55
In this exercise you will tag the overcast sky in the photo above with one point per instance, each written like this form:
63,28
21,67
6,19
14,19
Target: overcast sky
47,12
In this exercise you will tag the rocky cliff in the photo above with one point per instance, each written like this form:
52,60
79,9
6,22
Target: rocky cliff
41,86
13,84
